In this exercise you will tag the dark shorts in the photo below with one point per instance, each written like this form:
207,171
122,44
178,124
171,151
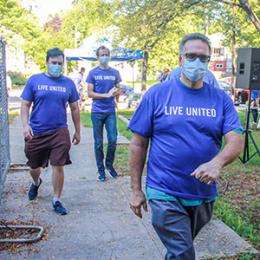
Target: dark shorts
177,226
52,147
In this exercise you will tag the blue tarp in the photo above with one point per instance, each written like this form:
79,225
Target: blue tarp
117,54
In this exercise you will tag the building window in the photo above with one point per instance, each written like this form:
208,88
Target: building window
219,66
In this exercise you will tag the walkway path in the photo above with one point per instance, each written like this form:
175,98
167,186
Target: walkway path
100,225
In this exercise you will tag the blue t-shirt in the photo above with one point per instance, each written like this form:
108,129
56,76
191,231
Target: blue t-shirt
209,77
103,81
255,94
50,97
185,127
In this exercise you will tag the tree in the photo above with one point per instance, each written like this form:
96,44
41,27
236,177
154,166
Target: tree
143,24
16,19
152,24
248,9
86,17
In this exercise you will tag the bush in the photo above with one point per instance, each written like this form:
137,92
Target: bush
17,78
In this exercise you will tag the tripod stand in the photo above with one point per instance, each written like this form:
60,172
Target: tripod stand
248,136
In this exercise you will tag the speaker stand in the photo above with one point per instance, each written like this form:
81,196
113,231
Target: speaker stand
248,136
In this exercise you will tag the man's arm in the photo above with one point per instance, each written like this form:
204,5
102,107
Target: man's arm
209,172
137,155
95,95
74,107
25,109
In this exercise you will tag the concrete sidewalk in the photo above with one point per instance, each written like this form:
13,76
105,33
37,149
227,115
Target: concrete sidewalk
100,224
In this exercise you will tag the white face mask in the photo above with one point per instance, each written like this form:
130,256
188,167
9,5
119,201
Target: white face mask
194,70
104,60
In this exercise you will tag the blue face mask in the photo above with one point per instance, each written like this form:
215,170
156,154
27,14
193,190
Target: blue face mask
55,70
103,60
194,70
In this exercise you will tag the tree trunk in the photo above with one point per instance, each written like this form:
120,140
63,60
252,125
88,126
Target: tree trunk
248,9
144,71
252,16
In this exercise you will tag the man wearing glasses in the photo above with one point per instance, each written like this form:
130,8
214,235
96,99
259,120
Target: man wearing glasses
209,77
46,132
184,120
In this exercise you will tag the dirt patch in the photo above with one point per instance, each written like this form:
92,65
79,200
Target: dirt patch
243,190
18,234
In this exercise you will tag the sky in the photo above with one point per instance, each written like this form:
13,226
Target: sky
43,8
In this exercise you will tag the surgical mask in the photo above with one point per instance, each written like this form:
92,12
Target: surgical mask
103,60
194,70
55,70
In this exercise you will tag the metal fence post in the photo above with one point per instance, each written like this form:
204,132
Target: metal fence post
4,126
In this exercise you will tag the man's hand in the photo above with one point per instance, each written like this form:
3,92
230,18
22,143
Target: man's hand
27,133
208,172
138,200
76,138
112,92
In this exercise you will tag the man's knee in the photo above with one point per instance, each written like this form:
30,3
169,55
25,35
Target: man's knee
112,141
98,144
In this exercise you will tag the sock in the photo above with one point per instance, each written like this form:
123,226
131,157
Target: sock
55,199
37,183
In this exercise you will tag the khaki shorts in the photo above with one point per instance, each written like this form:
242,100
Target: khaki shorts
52,147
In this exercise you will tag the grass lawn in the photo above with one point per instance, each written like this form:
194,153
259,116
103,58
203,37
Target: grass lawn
238,204
86,119
138,83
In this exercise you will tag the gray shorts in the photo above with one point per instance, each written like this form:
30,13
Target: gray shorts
177,226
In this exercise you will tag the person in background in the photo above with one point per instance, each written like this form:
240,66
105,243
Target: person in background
103,86
255,105
164,74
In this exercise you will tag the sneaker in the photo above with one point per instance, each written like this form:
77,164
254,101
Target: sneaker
33,191
58,208
112,172
101,176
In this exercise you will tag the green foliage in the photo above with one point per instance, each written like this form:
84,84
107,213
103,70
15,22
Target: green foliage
228,214
246,33
157,26
17,78
123,130
14,20
121,160
256,135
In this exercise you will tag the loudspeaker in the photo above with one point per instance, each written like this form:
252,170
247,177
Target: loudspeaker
248,68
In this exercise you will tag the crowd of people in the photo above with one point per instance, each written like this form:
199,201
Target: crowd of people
181,121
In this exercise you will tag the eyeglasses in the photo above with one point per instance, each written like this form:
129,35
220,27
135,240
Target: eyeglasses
193,56
56,63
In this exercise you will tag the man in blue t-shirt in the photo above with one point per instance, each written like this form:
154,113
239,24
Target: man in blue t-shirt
46,132
184,120
103,86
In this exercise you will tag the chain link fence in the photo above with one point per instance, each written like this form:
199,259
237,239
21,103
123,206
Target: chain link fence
4,127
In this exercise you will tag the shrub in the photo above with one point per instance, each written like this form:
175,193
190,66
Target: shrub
17,78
